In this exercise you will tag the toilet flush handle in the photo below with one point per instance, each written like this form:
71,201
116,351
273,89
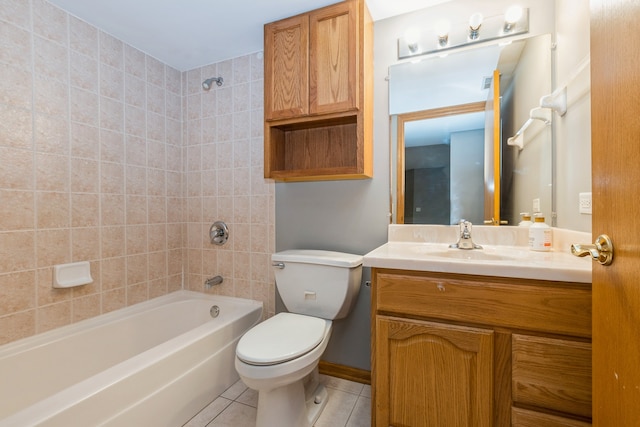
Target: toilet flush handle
278,265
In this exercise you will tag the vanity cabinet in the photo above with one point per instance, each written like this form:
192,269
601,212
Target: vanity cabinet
465,350
318,100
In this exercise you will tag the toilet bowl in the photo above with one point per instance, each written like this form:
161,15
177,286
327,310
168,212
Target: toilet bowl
279,357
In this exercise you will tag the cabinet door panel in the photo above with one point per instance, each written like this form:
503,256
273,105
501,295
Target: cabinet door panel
431,374
552,373
333,59
286,84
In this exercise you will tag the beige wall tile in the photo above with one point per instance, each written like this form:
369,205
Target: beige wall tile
17,169
53,316
85,307
15,127
53,247
17,325
17,210
114,273
114,299
17,292
17,251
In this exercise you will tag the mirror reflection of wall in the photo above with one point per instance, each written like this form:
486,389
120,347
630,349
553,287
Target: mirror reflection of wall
444,169
462,78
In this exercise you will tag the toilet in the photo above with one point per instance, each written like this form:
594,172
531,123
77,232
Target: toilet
279,357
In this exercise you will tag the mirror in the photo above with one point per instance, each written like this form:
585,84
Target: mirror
449,137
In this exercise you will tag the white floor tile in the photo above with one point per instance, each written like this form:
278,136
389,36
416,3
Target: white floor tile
361,415
234,391
338,409
212,410
249,397
236,415
342,385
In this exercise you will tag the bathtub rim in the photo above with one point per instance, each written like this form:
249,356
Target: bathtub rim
56,334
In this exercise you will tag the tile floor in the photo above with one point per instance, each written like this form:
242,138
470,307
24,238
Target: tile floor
349,405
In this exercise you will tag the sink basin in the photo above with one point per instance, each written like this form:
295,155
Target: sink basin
474,254
443,251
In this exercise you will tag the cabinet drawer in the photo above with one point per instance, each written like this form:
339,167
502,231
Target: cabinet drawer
555,307
525,418
552,373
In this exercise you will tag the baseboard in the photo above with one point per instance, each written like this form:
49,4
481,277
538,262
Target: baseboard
345,372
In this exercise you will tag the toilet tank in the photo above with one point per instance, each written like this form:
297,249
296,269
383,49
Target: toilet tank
318,283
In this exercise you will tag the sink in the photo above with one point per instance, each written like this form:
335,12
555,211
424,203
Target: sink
439,251
473,254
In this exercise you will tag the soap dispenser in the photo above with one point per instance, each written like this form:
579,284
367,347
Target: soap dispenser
526,219
539,234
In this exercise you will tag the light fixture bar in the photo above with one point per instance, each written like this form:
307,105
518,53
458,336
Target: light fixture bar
492,28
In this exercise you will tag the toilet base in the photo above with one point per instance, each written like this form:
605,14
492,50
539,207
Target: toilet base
298,404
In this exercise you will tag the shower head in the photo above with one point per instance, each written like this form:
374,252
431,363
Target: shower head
206,85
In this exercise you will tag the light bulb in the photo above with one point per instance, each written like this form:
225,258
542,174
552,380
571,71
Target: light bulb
442,27
475,21
411,37
513,14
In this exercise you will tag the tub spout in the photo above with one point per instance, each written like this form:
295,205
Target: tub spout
212,281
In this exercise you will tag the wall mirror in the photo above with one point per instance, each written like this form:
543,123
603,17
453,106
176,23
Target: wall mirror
451,118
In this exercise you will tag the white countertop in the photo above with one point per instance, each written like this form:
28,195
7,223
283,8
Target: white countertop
505,253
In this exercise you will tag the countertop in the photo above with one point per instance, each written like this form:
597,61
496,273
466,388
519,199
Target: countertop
505,253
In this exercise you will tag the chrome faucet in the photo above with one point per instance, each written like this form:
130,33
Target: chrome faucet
465,241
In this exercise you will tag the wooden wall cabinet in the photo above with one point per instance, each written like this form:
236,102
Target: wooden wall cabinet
318,100
479,351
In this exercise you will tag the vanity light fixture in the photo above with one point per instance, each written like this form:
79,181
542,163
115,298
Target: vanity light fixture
442,36
475,22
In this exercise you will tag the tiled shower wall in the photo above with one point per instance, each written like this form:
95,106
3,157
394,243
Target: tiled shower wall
110,156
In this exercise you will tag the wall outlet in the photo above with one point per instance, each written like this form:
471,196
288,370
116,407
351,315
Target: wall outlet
536,205
585,203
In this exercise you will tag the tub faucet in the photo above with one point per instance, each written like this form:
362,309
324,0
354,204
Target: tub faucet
212,281
465,241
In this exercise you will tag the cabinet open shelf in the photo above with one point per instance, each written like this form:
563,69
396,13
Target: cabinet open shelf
316,150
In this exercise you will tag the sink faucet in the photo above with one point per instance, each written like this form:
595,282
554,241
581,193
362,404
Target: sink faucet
465,241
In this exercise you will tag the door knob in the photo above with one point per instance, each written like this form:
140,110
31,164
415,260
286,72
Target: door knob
601,250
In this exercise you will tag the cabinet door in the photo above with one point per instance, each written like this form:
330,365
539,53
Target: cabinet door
286,74
431,374
333,57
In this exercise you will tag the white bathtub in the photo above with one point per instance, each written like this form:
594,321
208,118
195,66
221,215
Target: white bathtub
156,363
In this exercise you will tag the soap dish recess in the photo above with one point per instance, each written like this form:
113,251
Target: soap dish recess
73,274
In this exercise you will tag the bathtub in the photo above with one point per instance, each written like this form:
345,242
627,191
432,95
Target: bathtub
156,363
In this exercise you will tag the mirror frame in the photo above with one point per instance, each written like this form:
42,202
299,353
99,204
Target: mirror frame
403,118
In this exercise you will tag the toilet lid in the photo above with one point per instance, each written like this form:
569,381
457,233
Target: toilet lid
280,338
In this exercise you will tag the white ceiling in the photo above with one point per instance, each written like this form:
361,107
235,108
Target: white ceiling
188,34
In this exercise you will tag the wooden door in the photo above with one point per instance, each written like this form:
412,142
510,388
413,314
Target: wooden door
432,374
615,115
333,58
286,68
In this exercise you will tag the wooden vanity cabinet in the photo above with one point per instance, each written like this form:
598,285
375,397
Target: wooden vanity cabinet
475,351
318,100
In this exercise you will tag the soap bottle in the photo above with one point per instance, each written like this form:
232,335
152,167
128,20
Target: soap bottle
526,219
539,235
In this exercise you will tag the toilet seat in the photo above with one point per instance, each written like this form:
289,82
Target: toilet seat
281,338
